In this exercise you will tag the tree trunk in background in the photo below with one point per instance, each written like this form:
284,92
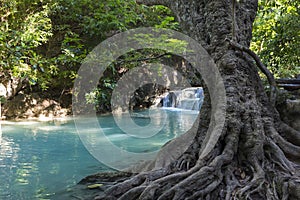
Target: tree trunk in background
256,156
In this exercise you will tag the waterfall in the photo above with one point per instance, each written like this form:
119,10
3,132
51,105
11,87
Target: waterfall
188,98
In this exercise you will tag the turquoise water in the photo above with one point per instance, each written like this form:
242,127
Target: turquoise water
39,159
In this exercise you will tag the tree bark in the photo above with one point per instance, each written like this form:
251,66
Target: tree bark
257,154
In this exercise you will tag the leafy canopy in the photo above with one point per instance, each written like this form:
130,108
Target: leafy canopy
276,36
45,41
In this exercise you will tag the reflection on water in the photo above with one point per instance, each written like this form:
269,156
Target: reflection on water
38,159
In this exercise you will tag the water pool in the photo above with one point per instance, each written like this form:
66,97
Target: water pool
39,159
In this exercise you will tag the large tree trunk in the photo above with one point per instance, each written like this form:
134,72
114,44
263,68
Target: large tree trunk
256,155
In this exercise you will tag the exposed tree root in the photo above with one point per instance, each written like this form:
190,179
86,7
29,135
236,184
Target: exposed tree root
270,176
291,150
134,193
252,159
137,180
289,133
255,185
276,155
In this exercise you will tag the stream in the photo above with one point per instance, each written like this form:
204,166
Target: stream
40,159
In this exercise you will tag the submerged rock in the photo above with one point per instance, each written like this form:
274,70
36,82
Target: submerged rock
92,186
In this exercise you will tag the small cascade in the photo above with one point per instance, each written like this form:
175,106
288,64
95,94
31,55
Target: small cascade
170,99
188,98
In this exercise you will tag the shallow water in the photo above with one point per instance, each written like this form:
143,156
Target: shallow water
39,159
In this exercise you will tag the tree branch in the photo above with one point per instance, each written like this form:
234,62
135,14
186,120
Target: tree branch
261,66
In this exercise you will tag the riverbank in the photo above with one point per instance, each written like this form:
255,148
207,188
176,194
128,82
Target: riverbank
36,106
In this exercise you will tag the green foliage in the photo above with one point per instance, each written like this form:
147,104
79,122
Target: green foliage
162,17
2,99
276,36
25,26
44,41
99,19
162,42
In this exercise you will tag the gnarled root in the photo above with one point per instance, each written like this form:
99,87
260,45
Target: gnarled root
289,133
265,175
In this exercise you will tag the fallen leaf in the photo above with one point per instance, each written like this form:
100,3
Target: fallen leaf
94,186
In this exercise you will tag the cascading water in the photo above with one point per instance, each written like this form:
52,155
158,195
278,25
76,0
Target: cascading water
188,98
